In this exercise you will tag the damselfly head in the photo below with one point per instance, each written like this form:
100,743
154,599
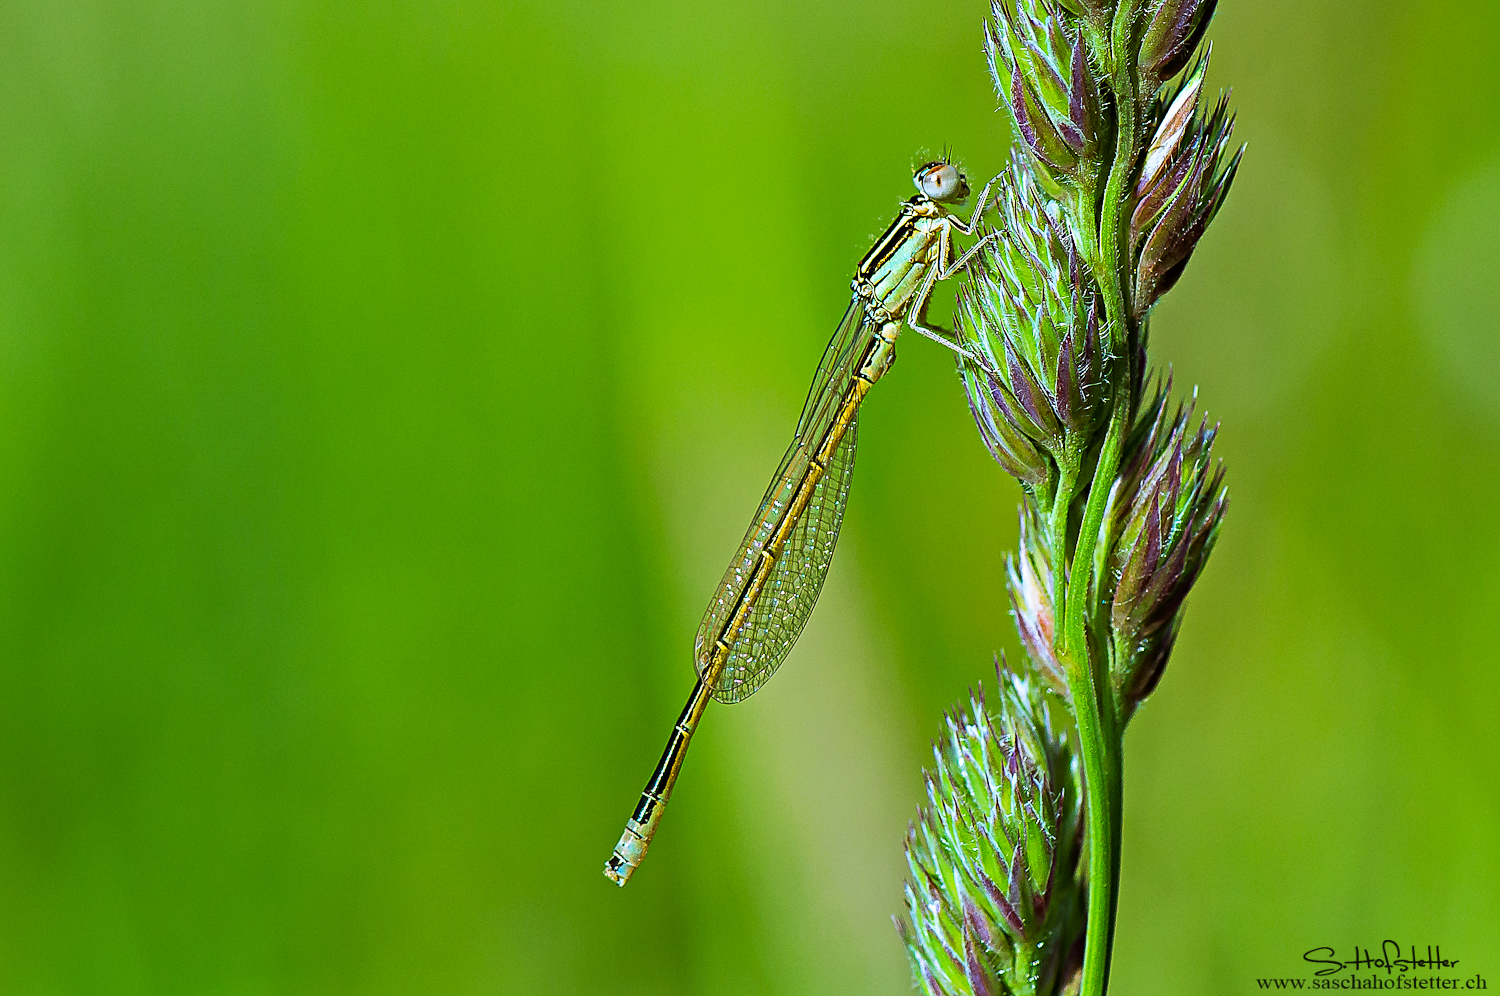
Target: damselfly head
942,182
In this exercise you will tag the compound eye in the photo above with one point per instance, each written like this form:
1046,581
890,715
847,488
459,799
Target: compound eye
942,182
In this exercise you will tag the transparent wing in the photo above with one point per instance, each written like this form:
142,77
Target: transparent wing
787,600
835,372
836,368
840,360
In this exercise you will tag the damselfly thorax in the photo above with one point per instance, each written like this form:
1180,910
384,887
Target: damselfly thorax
763,602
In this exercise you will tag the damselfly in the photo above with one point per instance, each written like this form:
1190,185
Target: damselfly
760,607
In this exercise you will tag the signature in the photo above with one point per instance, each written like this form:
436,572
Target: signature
1389,959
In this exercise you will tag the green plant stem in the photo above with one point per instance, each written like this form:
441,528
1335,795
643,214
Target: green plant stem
1097,799
1057,534
1093,702
1098,738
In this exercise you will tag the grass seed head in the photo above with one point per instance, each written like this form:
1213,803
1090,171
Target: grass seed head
992,902
1033,315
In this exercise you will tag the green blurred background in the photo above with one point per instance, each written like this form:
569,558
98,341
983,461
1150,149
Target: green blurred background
383,389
